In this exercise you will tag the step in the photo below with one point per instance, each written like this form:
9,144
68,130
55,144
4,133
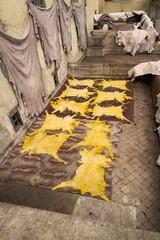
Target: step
108,212
109,44
95,51
96,41
112,47
19,223
108,66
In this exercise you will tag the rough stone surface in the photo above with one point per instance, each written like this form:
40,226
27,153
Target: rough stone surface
108,212
27,223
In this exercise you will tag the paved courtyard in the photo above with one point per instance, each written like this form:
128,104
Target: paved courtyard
135,178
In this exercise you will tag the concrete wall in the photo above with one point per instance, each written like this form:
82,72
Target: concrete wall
124,6
13,20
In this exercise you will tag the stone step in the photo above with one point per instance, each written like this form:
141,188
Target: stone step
109,45
108,66
108,212
27,223
95,51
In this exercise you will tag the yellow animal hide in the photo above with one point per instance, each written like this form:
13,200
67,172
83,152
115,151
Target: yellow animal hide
72,92
97,137
89,176
120,84
52,122
79,108
111,96
41,143
113,111
86,82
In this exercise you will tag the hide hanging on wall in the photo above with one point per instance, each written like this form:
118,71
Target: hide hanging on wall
47,29
79,13
20,64
65,13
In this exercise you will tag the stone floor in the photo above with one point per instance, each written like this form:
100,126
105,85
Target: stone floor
135,178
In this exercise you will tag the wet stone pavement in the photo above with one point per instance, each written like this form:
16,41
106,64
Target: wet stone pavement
134,176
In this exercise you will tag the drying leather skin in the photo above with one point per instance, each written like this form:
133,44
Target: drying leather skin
141,39
46,27
137,40
65,13
141,69
20,64
80,21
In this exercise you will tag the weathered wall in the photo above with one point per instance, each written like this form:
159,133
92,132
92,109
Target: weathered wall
13,20
154,5
124,6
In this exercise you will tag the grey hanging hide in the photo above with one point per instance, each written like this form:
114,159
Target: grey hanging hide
141,69
65,13
47,29
79,13
20,64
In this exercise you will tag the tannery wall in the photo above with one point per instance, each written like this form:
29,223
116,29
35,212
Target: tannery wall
13,20
124,6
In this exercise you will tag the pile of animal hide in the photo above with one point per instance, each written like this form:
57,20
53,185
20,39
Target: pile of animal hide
141,69
110,18
141,39
100,20
20,64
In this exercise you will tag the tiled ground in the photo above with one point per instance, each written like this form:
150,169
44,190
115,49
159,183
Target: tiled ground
136,179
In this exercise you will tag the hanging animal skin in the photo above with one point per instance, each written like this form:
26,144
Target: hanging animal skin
89,176
97,137
113,111
110,96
